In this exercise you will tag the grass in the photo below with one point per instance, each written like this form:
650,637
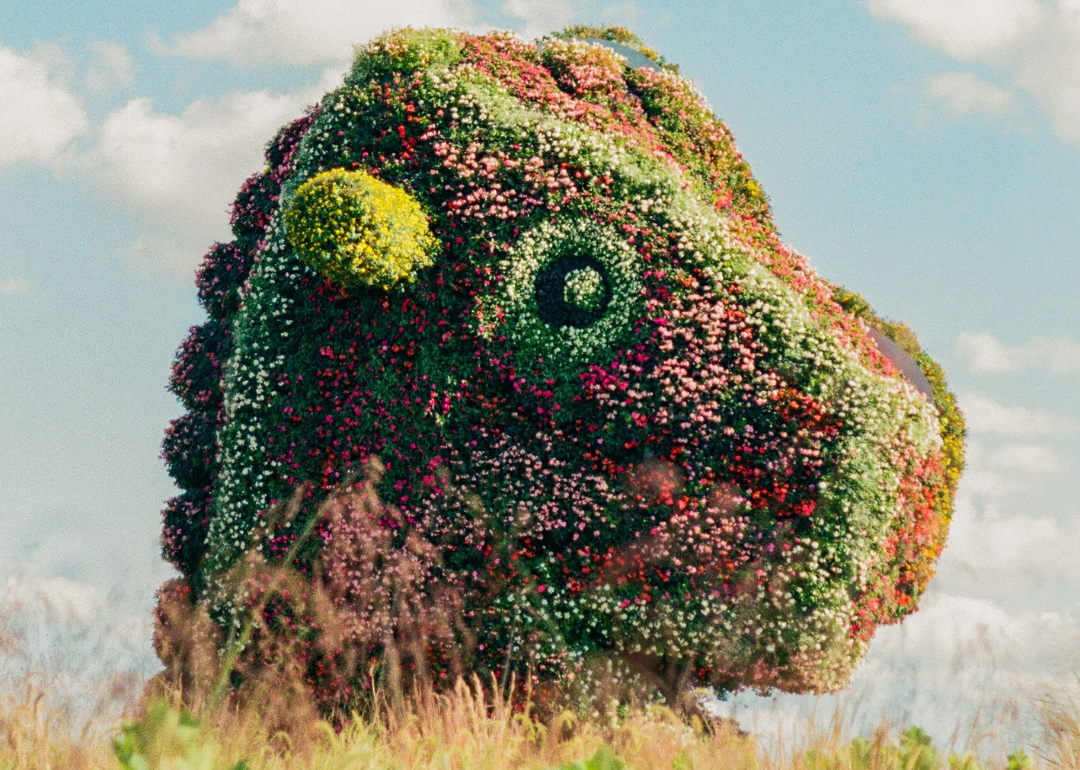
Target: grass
272,725
469,729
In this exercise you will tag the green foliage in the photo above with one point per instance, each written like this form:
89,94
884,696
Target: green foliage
584,290
405,50
166,738
914,751
917,750
964,762
1018,760
603,759
953,427
862,753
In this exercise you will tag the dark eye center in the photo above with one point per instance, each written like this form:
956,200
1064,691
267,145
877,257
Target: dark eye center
572,291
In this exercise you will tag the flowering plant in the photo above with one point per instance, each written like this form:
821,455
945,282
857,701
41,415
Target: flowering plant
357,230
618,419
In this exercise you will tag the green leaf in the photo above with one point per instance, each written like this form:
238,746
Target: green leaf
1018,760
603,759
681,762
166,738
917,750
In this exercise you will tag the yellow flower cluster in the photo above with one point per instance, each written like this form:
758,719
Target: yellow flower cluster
357,230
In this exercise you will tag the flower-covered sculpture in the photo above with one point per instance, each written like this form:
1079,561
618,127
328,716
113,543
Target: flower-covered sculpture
619,416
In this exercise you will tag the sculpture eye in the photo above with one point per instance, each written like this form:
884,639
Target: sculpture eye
572,291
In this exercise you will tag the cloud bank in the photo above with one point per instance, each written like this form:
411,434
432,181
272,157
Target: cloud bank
305,32
1033,43
986,416
181,172
39,115
986,354
177,173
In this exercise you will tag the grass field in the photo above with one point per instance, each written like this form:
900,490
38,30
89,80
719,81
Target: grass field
466,730
125,723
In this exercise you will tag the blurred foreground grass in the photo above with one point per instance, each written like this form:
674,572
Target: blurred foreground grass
468,730
269,724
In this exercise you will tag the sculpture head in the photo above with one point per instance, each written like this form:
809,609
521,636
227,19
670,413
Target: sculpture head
539,282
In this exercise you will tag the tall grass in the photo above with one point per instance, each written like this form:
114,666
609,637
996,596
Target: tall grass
195,717
1059,744
471,727
38,734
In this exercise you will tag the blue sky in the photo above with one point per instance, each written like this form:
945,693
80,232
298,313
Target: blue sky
925,153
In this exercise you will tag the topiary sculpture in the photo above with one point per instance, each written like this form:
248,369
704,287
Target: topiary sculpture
617,418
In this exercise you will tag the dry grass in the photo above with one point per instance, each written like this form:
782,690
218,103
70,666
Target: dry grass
35,735
467,729
272,722
461,730
1059,745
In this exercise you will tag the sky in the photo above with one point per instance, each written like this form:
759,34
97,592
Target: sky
925,153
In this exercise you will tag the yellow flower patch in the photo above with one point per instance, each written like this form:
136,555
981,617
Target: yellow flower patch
359,231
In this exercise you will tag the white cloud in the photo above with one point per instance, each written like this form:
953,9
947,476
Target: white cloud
542,17
965,29
955,667
623,14
964,94
1026,458
54,59
57,599
39,116
181,173
994,470
1034,42
12,286
89,656
986,354
1011,549
111,69
539,17
305,32
1010,533
1050,69
984,414
949,626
